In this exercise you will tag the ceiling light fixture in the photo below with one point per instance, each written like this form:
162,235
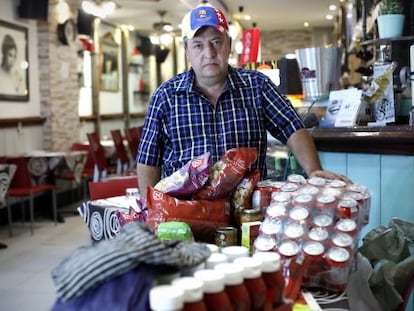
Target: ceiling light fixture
99,8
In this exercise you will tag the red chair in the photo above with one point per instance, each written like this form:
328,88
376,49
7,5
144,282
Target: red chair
111,188
88,169
21,187
101,167
121,152
133,136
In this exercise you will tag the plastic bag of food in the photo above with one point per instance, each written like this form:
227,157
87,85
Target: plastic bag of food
244,190
203,216
227,173
188,179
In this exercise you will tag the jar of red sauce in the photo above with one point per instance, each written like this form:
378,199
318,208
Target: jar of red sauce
273,277
234,286
215,297
193,293
253,280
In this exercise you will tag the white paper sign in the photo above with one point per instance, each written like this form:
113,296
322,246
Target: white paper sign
343,107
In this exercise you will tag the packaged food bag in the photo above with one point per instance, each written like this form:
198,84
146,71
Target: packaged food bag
203,216
227,173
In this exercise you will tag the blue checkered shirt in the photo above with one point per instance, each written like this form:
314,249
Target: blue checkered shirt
182,124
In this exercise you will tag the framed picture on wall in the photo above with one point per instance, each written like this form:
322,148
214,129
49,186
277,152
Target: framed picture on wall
14,64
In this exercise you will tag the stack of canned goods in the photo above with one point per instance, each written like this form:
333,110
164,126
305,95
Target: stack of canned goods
317,221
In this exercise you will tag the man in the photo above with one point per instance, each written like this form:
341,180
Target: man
214,107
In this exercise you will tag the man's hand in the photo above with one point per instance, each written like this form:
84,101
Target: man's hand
330,175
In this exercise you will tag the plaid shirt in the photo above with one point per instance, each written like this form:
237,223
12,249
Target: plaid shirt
181,123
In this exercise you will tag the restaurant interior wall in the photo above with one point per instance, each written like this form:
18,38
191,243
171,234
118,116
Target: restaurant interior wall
20,138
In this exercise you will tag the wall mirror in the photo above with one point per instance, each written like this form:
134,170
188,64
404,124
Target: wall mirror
109,68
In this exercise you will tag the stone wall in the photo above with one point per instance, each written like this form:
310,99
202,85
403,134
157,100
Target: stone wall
59,89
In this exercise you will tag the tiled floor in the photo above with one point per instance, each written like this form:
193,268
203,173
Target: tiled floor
27,262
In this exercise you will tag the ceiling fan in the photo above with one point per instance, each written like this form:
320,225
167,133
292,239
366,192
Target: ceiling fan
162,25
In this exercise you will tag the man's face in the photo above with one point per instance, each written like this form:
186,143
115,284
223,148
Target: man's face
11,57
208,53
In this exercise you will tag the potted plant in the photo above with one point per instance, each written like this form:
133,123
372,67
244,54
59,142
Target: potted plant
390,19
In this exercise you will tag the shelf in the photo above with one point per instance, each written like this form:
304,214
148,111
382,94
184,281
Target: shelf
406,39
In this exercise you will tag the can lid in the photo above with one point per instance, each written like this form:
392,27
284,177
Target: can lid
276,209
289,187
288,248
313,248
303,198
270,261
213,280
281,196
166,298
233,274
346,225
317,181
318,234
342,239
338,254
298,213
264,243
271,225
294,230
326,198
191,286
250,265
308,189
336,183
323,220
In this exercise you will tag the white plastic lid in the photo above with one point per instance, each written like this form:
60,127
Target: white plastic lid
214,259
192,287
213,280
235,251
250,265
166,298
270,261
212,247
233,274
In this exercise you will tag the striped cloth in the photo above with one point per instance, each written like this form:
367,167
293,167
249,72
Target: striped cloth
89,266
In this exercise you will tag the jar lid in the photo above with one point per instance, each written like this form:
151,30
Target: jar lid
270,261
166,298
214,259
191,286
250,265
235,251
213,280
233,274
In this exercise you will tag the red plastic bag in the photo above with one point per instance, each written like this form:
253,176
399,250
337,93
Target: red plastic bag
202,216
227,173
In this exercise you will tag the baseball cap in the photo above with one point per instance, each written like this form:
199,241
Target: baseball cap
201,16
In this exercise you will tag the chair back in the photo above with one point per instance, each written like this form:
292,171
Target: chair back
133,136
22,176
89,163
6,175
98,152
111,188
120,147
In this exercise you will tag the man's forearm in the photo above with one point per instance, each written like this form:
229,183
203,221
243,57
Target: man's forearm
147,176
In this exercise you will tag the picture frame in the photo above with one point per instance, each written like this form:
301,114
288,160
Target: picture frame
14,62
109,64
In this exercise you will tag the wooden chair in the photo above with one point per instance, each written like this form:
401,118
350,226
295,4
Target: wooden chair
111,188
122,155
133,136
21,187
102,170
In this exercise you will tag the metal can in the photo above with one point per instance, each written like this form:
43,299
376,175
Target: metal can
281,197
250,214
325,205
343,240
304,200
317,181
348,226
348,208
294,231
272,226
308,189
226,236
289,187
264,243
339,261
366,202
276,210
300,215
314,255
296,179
320,235
324,221
262,194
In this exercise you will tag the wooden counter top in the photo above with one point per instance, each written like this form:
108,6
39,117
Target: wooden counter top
377,140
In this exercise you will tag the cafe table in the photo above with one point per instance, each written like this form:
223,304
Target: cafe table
44,166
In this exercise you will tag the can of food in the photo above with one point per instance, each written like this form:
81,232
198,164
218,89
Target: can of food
226,236
250,214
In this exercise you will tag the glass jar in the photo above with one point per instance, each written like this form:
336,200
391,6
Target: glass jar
193,293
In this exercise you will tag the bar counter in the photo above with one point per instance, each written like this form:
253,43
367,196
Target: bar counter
397,140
